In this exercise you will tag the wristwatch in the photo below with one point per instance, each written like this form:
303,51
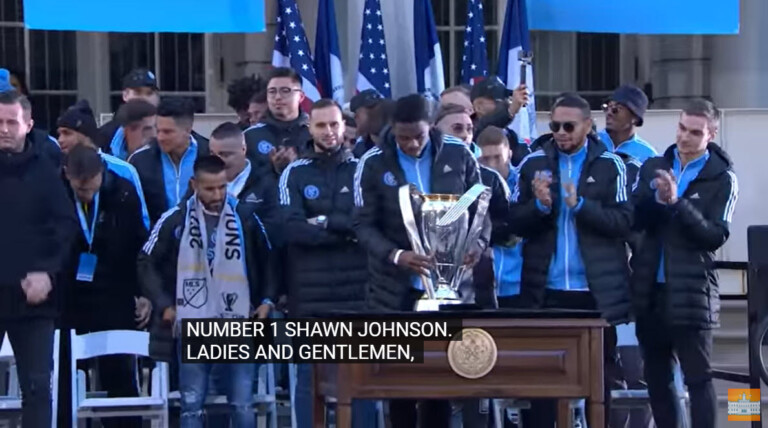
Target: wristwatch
322,221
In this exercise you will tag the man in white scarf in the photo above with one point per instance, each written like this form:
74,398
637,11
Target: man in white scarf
207,258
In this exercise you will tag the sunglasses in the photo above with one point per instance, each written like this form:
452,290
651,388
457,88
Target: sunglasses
567,126
613,108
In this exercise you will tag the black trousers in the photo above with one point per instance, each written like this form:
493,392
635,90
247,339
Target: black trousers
32,342
660,342
631,363
542,413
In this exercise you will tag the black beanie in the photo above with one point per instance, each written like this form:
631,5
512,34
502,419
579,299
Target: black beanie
79,117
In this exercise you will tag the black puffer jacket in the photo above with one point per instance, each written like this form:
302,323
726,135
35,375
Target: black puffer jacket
120,233
37,224
379,222
327,268
149,165
602,225
689,232
271,133
46,145
158,261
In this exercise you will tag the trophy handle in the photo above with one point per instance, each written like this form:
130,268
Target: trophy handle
483,198
409,220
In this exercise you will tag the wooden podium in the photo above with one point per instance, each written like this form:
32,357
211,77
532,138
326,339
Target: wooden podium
541,354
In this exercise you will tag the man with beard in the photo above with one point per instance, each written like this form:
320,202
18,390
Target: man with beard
208,257
570,205
328,268
37,225
281,137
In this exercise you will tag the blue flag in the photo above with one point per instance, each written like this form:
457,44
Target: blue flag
146,16
327,54
636,17
429,58
474,62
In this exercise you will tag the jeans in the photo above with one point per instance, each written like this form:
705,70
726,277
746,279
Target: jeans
193,386
693,347
32,342
363,411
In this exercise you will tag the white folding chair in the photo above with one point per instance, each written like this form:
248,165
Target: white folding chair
11,401
116,342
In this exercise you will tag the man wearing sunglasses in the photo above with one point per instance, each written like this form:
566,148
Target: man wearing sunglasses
570,207
623,115
283,132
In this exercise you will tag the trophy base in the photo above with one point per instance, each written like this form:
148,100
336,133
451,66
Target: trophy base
433,305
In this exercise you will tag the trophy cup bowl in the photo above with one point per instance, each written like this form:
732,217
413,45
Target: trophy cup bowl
445,242
443,231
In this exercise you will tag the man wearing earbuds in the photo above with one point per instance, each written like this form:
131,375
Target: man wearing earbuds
570,207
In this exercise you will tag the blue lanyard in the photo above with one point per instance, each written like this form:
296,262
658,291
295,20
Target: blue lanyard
89,233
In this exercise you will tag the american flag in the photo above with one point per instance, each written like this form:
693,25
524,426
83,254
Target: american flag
474,63
292,49
373,69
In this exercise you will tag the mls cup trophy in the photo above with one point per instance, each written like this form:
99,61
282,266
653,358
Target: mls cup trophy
443,231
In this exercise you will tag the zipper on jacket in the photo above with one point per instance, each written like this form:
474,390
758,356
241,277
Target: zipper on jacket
418,174
567,224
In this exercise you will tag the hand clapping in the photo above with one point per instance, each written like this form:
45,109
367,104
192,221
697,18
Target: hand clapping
666,187
541,182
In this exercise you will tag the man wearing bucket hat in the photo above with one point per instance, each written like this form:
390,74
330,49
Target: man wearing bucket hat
624,113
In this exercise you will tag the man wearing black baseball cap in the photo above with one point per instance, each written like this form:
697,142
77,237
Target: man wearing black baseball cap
139,83
623,114
495,105
371,116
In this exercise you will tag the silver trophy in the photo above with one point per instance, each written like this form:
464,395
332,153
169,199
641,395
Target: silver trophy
443,231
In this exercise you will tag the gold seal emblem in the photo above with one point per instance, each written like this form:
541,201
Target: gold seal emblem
474,356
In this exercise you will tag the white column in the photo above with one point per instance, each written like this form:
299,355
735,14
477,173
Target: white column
93,70
740,63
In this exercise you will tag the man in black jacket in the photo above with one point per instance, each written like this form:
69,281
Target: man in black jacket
684,204
410,153
282,135
372,114
139,83
188,243
41,140
495,105
165,164
570,205
37,226
328,268
101,287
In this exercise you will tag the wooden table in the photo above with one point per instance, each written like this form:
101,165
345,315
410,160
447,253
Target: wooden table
538,357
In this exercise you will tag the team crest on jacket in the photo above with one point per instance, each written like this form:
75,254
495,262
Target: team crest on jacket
389,179
311,192
265,147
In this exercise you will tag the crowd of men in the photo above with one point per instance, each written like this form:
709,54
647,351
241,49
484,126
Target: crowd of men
143,222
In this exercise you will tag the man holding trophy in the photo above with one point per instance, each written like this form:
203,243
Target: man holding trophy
570,207
420,210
